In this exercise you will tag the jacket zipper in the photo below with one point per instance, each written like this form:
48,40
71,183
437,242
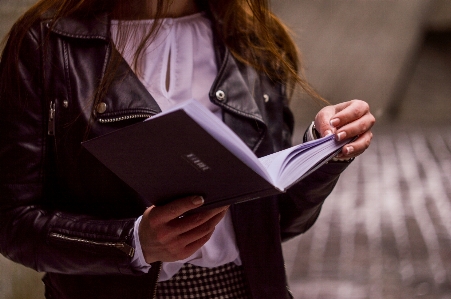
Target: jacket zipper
160,265
122,246
52,114
51,124
121,118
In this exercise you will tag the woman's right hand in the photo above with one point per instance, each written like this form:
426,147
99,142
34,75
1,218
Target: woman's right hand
167,237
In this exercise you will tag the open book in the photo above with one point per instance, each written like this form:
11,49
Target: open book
187,150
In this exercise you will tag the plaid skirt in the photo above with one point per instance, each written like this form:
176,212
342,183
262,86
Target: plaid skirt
223,282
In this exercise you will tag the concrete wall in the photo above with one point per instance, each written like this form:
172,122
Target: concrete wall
440,15
10,10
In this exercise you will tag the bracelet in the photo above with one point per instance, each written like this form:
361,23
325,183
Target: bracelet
313,134
342,160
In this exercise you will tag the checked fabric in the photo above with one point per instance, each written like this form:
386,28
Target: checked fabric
223,282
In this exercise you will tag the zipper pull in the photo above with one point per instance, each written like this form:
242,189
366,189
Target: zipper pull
127,249
51,125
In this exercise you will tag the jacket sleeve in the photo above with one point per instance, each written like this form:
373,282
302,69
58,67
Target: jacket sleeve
31,233
300,206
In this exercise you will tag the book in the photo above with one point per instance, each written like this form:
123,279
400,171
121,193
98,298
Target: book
187,150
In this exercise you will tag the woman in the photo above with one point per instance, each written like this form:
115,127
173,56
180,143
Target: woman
73,70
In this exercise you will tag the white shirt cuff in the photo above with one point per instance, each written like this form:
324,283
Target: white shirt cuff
138,262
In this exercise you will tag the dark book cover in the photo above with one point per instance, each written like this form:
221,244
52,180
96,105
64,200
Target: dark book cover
171,157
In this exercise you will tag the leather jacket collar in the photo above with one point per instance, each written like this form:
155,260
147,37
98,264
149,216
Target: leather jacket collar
233,88
94,27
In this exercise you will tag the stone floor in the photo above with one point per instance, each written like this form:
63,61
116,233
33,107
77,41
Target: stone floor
385,232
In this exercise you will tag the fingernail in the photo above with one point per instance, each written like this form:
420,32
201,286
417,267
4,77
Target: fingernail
327,133
341,136
334,122
349,149
198,200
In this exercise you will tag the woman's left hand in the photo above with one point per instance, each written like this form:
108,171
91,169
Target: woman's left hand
347,120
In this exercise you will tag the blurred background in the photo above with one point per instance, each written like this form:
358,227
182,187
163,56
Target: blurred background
385,231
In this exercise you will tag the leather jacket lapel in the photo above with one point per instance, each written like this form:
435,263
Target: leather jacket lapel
127,97
233,90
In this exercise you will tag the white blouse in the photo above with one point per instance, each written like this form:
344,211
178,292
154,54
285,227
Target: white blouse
178,65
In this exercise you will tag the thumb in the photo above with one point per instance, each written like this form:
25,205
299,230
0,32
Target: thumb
322,121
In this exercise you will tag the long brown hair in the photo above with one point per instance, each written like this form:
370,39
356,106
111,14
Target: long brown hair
252,33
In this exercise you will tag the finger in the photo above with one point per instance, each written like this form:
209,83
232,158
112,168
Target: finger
194,246
322,121
343,105
183,245
176,208
348,112
168,234
191,222
356,128
181,253
201,231
357,147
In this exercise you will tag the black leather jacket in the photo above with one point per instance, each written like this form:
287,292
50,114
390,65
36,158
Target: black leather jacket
63,213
